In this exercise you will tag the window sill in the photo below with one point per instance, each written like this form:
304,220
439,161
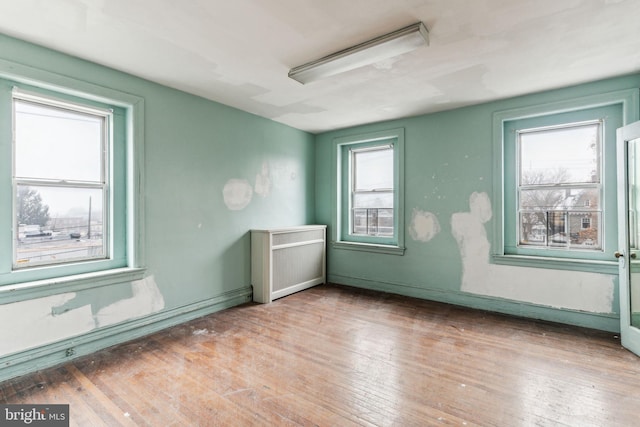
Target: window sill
369,247
63,284
593,266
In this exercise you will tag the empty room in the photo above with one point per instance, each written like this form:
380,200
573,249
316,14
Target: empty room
319,213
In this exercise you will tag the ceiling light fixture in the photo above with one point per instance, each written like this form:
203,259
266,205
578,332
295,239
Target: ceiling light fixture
389,45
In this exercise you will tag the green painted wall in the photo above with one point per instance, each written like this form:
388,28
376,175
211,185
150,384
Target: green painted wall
193,148
197,249
448,158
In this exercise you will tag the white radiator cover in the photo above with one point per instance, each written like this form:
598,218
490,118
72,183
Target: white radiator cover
287,260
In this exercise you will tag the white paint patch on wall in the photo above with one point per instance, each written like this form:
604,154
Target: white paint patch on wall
590,292
237,194
34,323
146,300
424,225
262,186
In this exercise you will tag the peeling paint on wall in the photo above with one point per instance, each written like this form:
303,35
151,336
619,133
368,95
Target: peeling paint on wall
237,194
262,186
591,292
36,324
46,320
146,300
424,225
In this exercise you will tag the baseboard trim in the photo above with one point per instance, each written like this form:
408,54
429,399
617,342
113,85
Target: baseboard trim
601,321
50,355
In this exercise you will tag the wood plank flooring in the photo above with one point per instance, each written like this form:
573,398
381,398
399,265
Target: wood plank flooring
339,356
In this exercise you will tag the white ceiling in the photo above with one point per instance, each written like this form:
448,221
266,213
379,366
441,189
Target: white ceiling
239,52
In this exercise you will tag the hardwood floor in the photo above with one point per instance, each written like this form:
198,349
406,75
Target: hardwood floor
338,356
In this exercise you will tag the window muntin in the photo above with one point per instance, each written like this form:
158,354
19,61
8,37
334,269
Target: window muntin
559,183
372,191
61,199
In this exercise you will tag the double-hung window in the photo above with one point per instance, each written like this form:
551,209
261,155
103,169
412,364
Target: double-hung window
70,164
556,194
371,191
369,199
61,181
560,188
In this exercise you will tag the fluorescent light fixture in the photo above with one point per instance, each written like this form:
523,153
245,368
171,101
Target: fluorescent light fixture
387,46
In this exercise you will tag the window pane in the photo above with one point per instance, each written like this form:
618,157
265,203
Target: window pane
561,229
585,229
58,224
373,213
373,169
533,228
544,229
53,143
376,222
560,156
557,229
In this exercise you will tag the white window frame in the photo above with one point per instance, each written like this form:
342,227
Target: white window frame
18,285
628,99
342,238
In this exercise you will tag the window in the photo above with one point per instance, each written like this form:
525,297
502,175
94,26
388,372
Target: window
61,192
371,189
555,186
369,199
70,160
559,168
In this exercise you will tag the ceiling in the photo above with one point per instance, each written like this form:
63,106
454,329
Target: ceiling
239,52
